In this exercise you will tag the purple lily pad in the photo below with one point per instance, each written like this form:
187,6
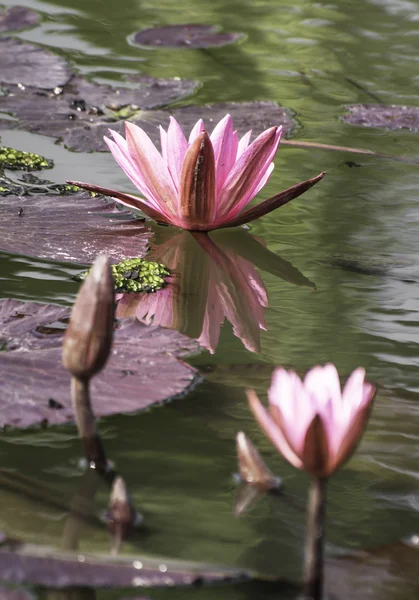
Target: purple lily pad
72,227
15,594
52,567
25,64
378,115
16,18
82,114
143,368
185,36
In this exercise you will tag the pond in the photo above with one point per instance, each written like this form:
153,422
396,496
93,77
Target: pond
339,271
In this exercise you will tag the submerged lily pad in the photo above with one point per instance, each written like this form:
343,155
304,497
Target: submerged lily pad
379,115
16,18
185,36
52,567
28,184
73,227
143,368
25,64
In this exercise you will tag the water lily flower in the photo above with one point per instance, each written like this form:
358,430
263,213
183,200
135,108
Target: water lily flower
312,423
201,183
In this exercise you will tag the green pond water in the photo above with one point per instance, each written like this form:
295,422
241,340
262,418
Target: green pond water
178,460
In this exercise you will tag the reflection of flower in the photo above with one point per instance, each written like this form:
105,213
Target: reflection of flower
314,424
199,184
211,282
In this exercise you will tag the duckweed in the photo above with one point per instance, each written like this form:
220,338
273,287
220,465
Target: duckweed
136,275
20,160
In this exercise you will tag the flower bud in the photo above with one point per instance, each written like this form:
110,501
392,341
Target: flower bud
253,470
88,339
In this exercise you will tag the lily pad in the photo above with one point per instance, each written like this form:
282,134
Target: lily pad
72,227
16,18
25,64
81,114
185,36
42,565
143,368
15,594
379,115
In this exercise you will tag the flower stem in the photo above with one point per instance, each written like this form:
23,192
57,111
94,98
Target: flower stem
86,424
315,540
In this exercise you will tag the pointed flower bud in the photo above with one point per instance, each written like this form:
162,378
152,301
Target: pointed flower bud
88,339
253,470
314,424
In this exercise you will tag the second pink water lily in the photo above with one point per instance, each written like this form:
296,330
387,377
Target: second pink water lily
201,183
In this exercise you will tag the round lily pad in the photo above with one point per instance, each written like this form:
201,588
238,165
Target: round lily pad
74,227
185,36
25,64
16,18
378,115
143,368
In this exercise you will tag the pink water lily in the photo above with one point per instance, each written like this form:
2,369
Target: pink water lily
201,183
314,424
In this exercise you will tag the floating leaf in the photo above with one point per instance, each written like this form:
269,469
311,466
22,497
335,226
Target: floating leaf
25,64
74,227
16,18
42,565
379,115
143,368
185,36
82,114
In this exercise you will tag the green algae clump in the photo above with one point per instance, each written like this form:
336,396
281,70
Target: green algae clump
136,275
19,160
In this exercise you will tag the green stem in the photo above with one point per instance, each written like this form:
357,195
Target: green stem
315,540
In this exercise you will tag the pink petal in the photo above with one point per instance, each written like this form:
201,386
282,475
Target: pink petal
153,168
176,150
272,430
322,384
243,144
123,158
224,142
197,129
247,173
288,395
163,143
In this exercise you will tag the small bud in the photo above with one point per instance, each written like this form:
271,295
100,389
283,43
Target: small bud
253,470
88,340
121,516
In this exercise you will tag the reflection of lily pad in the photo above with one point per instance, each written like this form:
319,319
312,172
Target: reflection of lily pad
16,18
143,368
73,227
391,266
185,36
26,64
56,568
378,115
